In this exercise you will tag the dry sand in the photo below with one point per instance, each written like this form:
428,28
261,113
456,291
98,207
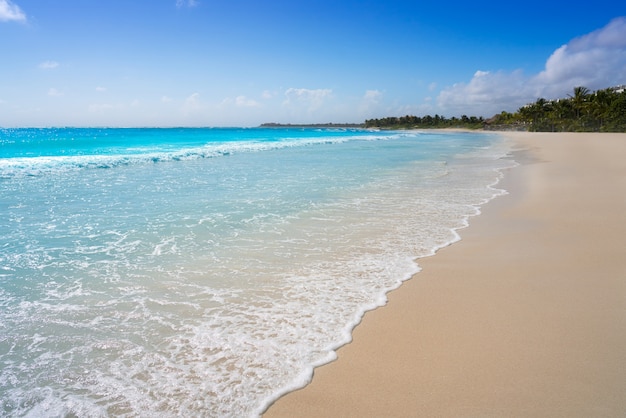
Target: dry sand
524,317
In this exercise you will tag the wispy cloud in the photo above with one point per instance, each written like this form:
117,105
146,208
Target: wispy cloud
186,3
10,11
596,60
240,101
108,108
193,105
372,95
312,99
54,92
193,100
243,101
101,89
48,65
370,102
100,107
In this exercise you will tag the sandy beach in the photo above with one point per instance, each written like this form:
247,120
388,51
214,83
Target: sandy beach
524,317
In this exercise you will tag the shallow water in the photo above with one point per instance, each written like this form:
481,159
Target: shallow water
204,272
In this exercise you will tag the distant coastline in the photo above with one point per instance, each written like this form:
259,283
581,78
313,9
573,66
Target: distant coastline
582,111
312,125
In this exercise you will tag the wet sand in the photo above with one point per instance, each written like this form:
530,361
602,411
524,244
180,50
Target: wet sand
525,316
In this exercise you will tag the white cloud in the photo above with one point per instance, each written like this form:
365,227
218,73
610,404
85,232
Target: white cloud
243,101
101,89
104,108
100,107
596,60
11,12
372,95
193,105
312,99
370,102
486,94
54,92
48,65
193,100
240,101
166,99
186,3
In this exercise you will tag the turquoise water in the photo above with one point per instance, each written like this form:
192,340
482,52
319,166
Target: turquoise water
204,272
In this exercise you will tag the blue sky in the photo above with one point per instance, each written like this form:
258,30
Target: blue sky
244,62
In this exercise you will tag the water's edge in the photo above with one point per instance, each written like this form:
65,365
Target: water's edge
307,376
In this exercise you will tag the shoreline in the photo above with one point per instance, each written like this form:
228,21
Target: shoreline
525,316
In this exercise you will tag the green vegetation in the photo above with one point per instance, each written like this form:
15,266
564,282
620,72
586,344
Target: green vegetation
311,125
425,122
601,111
583,111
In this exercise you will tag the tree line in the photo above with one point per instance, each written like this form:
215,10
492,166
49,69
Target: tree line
583,111
425,122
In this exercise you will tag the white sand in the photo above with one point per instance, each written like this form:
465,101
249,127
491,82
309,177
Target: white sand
525,316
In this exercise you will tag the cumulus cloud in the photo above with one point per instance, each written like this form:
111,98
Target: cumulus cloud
486,94
312,99
11,12
596,60
48,65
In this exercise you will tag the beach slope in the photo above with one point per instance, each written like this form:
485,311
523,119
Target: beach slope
525,316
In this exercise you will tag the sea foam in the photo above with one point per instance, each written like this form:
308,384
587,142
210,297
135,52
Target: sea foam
207,272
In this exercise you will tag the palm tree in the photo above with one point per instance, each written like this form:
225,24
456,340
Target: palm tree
579,98
537,111
600,103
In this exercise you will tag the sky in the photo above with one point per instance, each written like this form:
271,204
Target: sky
247,62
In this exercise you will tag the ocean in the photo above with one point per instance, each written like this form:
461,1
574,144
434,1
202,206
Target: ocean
205,272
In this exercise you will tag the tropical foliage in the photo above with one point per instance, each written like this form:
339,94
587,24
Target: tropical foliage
425,122
582,111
